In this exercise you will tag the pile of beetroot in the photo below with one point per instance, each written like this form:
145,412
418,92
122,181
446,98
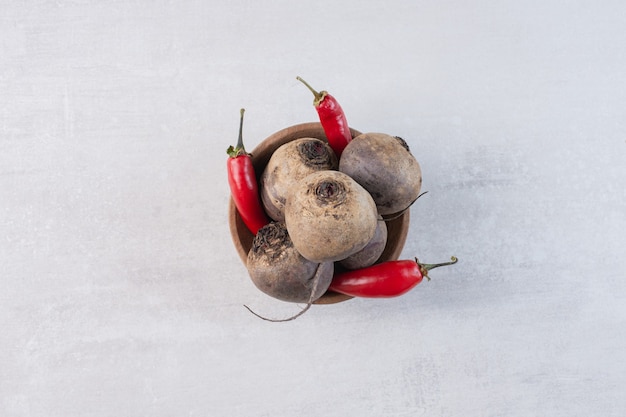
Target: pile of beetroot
319,211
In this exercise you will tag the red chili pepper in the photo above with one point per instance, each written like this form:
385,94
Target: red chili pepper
243,185
332,118
387,279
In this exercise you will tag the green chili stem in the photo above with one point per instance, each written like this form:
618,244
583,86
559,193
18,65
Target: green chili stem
319,95
240,139
428,267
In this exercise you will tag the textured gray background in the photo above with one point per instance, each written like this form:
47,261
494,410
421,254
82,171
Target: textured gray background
121,293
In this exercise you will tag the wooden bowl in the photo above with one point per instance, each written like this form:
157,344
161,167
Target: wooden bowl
397,229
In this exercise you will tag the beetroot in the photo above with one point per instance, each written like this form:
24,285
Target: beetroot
329,216
280,271
371,252
288,164
385,167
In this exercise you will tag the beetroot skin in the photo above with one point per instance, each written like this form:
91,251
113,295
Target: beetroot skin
280,271
385,167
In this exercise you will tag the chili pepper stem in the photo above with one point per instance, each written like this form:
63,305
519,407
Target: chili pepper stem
427,267
319,95
239,148
240,138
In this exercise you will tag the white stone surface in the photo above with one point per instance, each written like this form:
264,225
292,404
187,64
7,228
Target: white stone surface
121,293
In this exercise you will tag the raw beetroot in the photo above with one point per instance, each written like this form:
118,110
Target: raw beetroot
329,216
385,167
289,164
278,269
371,252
